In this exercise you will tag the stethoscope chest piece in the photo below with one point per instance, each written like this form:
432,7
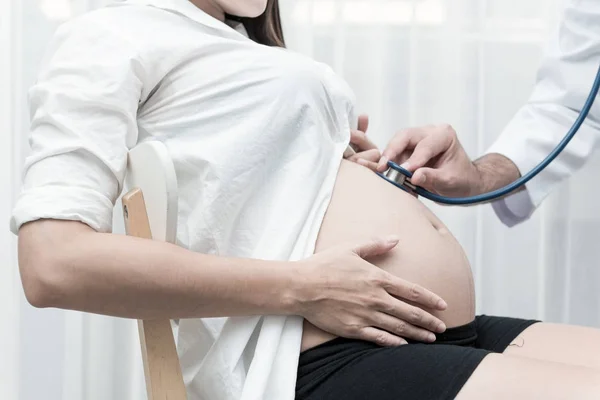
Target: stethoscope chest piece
399,177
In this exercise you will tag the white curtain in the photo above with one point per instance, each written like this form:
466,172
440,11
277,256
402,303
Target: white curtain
470,63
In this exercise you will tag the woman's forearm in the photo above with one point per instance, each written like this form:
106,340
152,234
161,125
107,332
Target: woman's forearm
68,265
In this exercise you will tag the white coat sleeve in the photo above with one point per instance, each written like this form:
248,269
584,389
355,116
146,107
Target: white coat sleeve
563,84
83,121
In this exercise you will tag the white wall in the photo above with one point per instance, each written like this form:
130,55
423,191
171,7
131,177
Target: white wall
467,62
47,354
9,300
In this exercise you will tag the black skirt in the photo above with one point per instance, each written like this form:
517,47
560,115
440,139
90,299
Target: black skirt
354,369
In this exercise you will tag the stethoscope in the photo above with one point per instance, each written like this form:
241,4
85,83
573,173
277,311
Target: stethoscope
400,177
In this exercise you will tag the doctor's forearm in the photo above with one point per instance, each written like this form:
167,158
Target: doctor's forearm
67,265
495,171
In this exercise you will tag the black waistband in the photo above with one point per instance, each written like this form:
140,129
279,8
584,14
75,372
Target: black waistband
464,335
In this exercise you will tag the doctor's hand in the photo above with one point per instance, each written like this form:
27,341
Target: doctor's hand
437,160
367,153
341,293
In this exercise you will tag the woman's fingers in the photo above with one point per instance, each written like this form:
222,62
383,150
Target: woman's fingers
376,247
399,288
417,294
366,152
380,337
367,158
414,316
372,155
360,141
363,123
402,328
366,302
366,163
386,330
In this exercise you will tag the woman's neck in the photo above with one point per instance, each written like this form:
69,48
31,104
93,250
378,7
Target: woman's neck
211,8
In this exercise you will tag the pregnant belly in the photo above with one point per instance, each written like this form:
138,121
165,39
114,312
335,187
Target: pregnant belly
364,205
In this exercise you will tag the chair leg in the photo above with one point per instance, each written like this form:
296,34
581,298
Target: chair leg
161,362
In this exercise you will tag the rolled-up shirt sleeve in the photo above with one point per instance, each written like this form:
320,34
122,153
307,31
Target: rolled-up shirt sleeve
564,81
83,122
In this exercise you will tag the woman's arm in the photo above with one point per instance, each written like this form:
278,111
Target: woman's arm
84,119
68,265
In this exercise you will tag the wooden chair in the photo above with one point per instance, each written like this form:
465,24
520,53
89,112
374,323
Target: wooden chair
150,212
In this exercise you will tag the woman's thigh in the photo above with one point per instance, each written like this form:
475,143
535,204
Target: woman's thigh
568,344
501,377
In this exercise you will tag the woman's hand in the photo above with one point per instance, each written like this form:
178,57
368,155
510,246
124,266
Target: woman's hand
367,153
341,293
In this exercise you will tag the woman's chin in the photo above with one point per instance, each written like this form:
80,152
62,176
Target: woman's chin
249,8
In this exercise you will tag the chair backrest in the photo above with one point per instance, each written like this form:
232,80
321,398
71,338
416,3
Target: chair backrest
150,211
149,168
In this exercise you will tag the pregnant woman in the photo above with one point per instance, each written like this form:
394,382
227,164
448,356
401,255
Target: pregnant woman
288,279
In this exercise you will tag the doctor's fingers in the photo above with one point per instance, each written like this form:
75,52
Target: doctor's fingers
427,149
400,143
440,181
431,141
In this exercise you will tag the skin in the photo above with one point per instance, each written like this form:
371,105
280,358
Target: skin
380,208
546,361
505,377
542,368
240,8
66,264
440,164
558,343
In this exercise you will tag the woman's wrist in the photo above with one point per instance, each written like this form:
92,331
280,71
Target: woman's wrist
279,288
308,286
292,297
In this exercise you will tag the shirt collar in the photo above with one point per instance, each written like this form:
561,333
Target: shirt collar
189,10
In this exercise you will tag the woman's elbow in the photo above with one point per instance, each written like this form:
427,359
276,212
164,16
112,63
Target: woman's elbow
41,290
42,264
39,276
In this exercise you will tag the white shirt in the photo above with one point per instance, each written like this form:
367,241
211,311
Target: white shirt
563,84
256,135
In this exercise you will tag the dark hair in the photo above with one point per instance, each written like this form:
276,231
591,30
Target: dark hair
266,28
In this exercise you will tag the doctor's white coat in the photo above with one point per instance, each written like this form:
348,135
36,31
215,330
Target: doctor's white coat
563,84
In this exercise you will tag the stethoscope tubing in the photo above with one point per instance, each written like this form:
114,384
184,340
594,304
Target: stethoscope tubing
499,193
